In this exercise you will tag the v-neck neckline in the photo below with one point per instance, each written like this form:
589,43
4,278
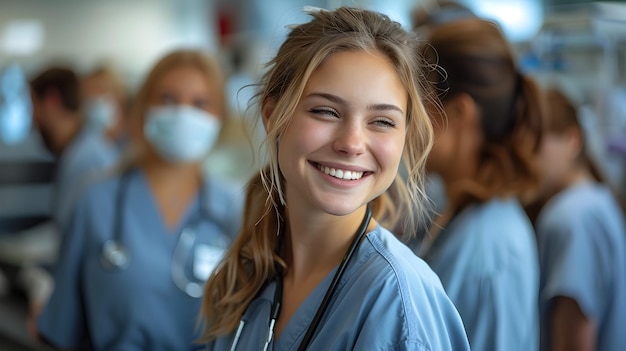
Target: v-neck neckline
303,316
187,214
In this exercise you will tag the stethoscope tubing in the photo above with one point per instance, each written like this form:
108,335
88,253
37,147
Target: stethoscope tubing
116,255
321,310
306,340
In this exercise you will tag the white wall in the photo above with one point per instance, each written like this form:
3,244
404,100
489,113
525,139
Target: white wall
129,34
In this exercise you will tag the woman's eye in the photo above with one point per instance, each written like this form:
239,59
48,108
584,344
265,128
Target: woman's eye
201,104
168,99
325,112
385,123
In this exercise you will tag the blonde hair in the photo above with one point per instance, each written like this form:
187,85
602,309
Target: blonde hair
205,64
252,259
110,81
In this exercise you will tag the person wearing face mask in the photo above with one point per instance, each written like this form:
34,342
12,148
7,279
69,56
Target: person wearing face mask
142,242
105,100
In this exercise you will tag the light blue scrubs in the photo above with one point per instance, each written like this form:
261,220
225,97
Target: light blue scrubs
87,155
388,299
487,261
140,307
582,251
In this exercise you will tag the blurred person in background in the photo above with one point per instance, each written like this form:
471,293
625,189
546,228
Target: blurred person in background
105,104
424,17
431,13
581,234
487,131
142,242
58,118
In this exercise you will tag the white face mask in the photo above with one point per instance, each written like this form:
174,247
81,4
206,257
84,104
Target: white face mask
181,133
100,112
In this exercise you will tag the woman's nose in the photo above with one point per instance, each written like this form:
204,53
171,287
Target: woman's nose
350,140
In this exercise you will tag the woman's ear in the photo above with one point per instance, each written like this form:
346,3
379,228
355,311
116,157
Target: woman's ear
575,140
267,108
463,107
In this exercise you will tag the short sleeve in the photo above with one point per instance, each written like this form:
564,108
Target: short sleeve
62,321
573,261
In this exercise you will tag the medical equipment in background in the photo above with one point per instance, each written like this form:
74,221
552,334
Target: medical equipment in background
580,49
15,105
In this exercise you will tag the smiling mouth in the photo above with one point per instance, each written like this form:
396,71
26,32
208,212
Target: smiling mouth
341,173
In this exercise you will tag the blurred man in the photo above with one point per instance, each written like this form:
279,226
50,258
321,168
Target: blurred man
81,152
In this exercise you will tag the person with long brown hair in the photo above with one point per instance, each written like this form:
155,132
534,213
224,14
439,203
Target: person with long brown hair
313,266
143,241
487,131
581,233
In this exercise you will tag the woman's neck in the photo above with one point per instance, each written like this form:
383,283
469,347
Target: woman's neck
163,173
577,175
174,186
316,243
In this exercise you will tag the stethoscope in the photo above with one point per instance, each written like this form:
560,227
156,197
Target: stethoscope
116,256
321,310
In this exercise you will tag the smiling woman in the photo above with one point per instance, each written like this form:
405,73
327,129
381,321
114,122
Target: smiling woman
356,125
313,268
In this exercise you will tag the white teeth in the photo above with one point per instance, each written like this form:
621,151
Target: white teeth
341,174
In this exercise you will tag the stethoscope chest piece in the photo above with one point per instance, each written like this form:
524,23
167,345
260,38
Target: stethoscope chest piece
184,246
115,255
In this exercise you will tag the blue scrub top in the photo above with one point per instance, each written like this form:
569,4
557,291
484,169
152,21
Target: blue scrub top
582,251
487,261
140,307
388,299
89,154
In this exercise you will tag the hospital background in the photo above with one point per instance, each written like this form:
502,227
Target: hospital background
577,45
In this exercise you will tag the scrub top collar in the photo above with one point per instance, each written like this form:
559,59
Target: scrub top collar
305,313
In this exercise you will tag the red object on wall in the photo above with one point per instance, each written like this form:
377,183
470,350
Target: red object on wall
225,23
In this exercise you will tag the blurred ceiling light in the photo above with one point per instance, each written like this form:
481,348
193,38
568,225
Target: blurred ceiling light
21,37
520,19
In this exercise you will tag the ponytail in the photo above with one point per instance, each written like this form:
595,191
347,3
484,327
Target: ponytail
247,266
